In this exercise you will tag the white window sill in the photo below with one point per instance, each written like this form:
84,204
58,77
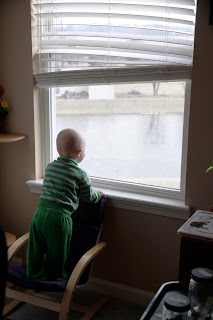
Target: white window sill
162,206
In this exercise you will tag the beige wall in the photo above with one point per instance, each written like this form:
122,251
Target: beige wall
143,249
17,159
199,192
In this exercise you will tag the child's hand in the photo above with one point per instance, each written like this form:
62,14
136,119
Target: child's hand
100,192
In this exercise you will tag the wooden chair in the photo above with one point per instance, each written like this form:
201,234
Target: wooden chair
87,222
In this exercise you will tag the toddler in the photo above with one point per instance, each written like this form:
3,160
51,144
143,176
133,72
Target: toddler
51,225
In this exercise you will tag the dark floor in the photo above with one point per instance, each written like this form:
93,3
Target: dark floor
114,309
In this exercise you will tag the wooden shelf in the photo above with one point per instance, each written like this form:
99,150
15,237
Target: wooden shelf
11,137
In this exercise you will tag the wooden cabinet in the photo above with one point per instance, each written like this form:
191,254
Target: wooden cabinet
196,245
194,253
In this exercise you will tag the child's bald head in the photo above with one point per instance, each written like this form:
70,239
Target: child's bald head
71,144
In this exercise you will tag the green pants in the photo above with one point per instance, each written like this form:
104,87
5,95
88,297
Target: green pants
49,242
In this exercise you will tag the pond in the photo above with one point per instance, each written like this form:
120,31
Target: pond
145,148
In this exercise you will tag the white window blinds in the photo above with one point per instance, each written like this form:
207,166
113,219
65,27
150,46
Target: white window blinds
114,41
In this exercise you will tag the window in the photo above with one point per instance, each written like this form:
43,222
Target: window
118,71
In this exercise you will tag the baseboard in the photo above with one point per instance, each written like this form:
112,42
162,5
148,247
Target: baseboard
120,291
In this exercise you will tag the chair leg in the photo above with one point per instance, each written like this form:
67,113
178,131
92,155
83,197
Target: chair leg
89,312
95,308
66,303
11,307
63,314
14,304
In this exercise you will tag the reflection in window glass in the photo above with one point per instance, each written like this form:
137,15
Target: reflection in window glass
133,131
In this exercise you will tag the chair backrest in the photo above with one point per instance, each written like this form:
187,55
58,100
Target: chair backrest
3,268
87,224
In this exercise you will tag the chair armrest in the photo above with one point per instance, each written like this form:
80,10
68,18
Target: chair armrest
78,270
83,262
17,245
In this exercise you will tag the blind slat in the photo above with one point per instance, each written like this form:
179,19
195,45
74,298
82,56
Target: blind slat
101,59
171,39
188,3
184,29
124,54
137,34
125,46
185,19
59,8
113,76
120,20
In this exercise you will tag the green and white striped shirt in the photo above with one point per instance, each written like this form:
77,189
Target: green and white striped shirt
64,182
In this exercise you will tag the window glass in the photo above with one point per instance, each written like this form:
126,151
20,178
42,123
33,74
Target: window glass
133,131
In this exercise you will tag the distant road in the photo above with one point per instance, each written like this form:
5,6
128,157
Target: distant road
120,106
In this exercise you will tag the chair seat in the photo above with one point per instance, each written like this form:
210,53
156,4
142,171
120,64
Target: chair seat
83,238
17,275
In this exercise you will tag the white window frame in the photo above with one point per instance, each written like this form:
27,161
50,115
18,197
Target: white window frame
146,199
48,132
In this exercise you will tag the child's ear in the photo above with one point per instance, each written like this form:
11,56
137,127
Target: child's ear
78,153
